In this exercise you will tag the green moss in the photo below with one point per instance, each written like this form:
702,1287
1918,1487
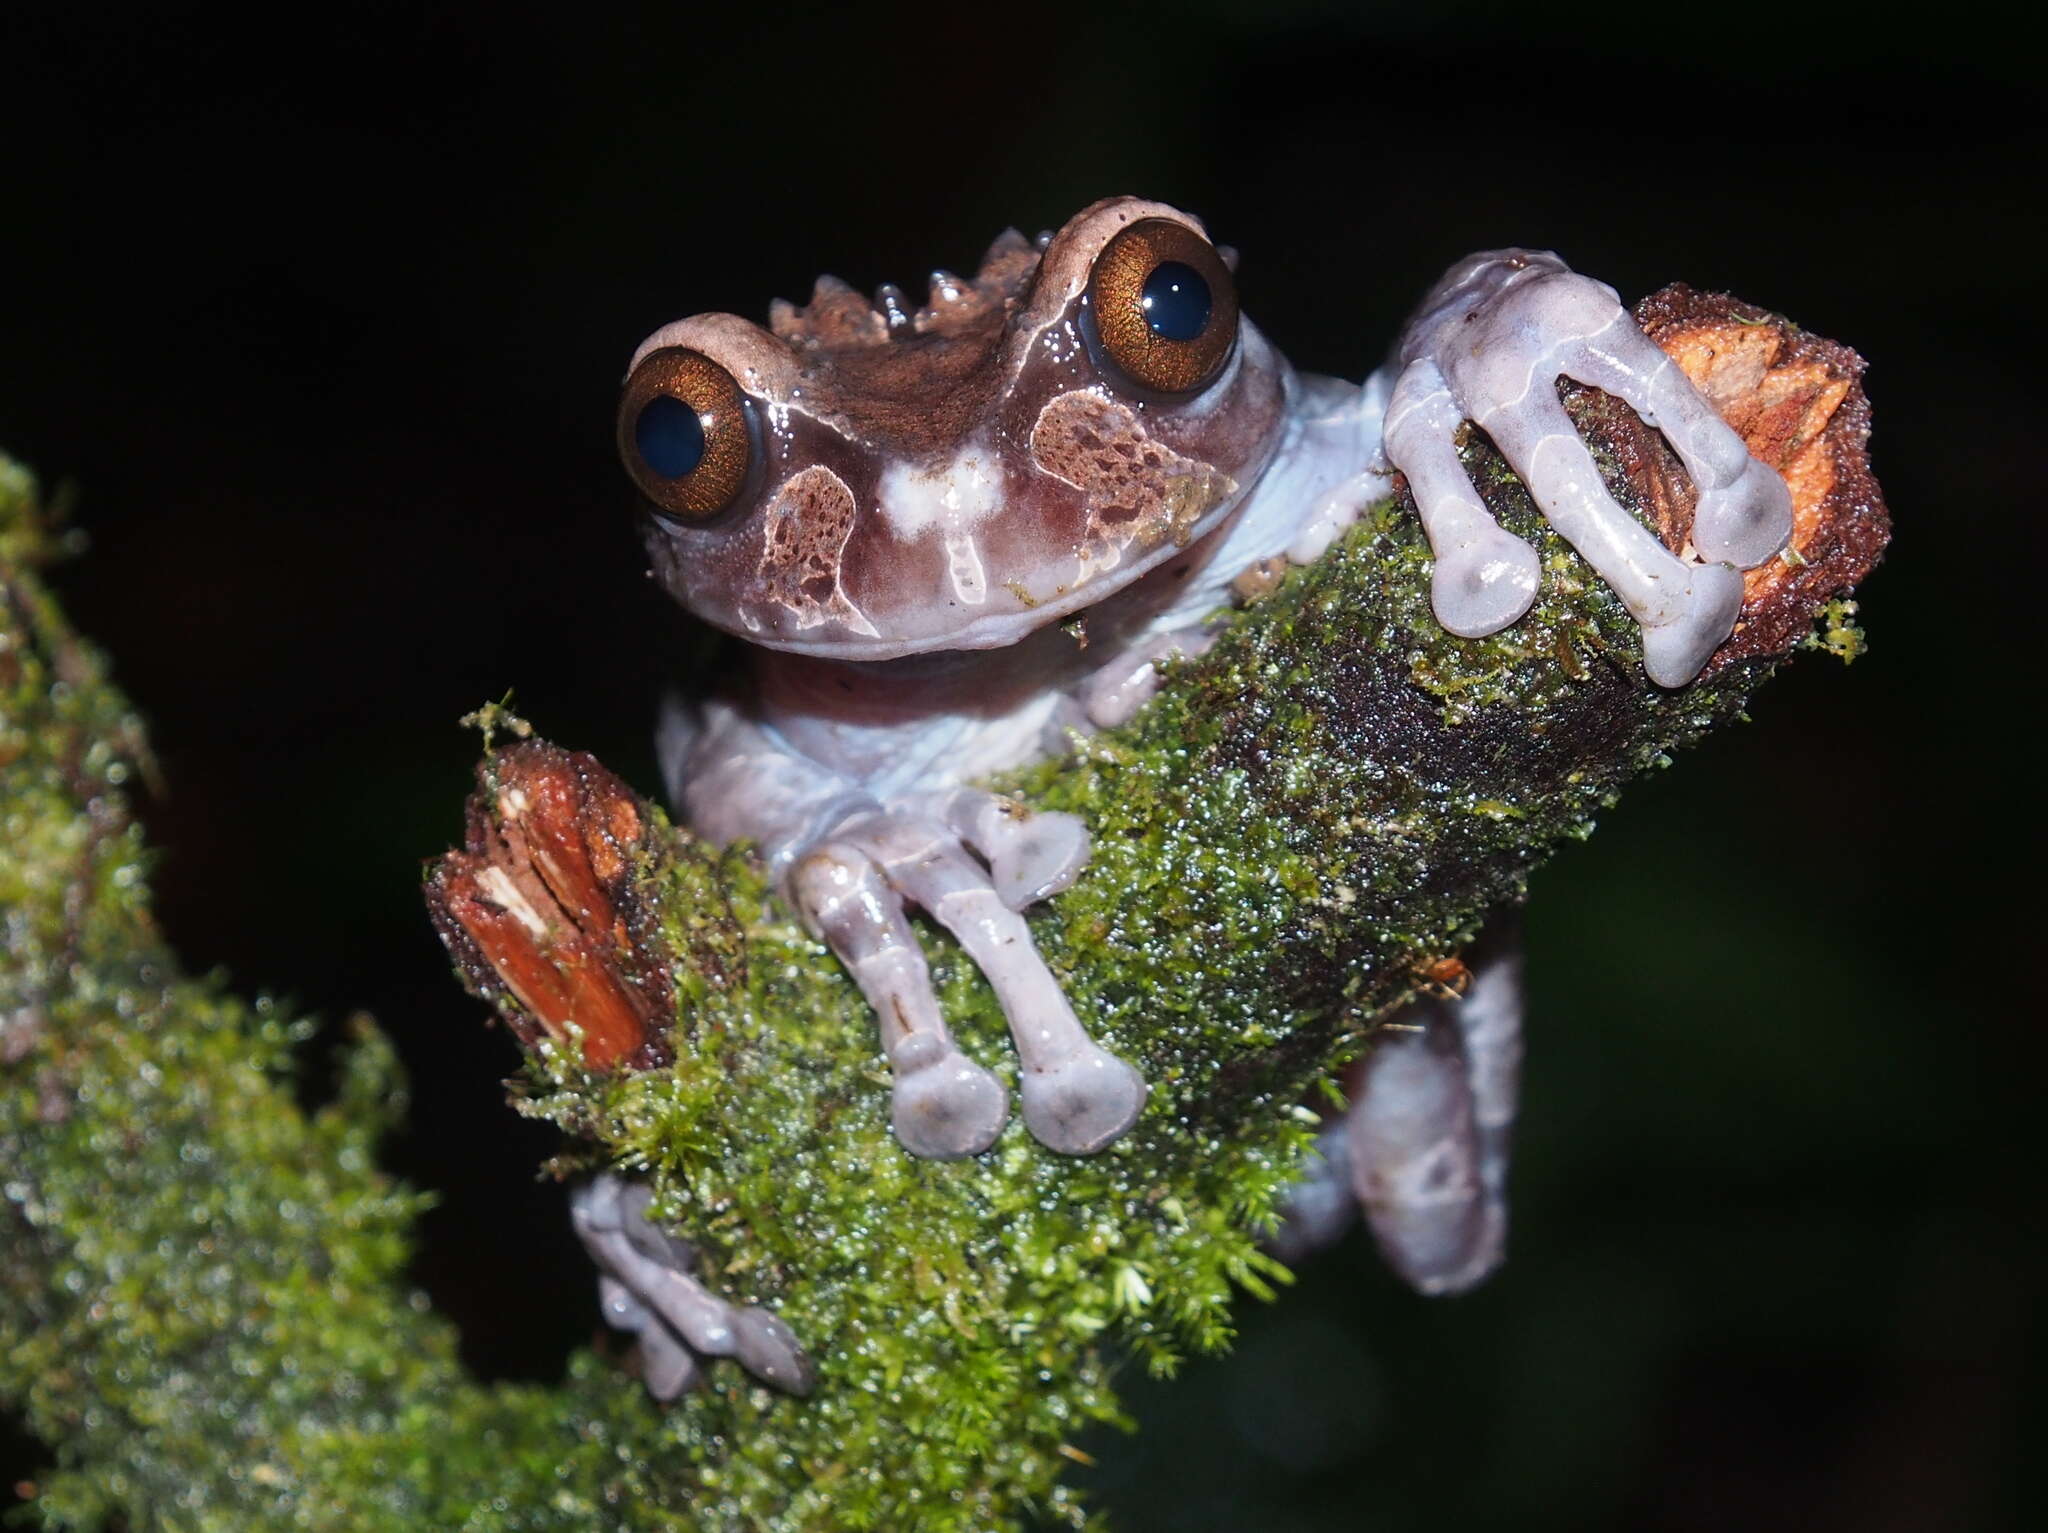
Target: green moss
202,1297
1272,861
202,1304
1837,631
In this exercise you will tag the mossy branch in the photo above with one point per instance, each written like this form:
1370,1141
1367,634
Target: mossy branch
201,1304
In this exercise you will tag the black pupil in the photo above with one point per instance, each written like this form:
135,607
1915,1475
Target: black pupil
669,436
1176,301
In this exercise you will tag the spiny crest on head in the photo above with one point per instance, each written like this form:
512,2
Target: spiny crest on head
838,317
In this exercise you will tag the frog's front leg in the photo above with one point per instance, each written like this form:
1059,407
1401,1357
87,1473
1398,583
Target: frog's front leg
1488,345
942,1104
851,864
1077,1096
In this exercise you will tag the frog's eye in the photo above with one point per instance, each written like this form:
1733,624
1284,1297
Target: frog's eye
683,433
1165,311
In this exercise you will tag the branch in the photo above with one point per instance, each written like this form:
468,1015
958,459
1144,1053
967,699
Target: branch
1305,821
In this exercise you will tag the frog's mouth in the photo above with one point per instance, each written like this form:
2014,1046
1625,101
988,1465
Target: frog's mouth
944,560
1001,537
953,603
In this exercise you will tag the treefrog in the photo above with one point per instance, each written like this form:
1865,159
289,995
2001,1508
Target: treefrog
954,532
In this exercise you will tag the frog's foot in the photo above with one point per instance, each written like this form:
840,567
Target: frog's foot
1427,1135
1489,346
666,1365
645,1287
1112,694
943,1105
1485,577
1320,1205
1031,854
1077,1097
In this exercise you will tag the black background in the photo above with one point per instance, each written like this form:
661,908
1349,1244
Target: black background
324,322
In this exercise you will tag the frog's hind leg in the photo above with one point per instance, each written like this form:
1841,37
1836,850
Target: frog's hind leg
942,1104
1320,1206
646,1287
1077,1096
667,1365
1429,1127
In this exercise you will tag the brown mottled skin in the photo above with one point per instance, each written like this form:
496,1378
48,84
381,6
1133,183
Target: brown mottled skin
992,385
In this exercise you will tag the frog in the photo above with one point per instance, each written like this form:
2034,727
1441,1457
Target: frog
955,535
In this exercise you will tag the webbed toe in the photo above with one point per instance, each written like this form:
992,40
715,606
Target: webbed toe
1084,1101
944,1105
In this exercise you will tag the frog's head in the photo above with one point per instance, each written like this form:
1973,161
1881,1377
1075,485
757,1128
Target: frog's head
872,480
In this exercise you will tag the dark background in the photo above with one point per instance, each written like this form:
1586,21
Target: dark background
325,328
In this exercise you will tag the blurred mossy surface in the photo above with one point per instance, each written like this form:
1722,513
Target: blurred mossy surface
202,1298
